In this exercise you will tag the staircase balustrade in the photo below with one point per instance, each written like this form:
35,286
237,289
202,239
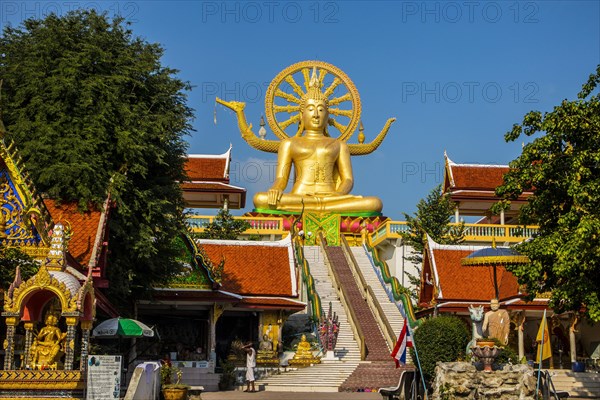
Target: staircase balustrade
369,295
398,292
313,297
344,299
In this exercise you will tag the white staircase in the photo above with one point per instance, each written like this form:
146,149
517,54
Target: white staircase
327,376
389,308
580,385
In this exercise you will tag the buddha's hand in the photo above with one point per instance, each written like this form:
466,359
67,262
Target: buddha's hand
273,196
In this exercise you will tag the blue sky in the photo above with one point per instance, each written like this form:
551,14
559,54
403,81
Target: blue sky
456,75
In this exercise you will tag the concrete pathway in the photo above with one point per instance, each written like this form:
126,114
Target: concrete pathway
238,395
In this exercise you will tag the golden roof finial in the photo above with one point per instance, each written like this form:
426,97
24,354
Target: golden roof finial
58,248
361,133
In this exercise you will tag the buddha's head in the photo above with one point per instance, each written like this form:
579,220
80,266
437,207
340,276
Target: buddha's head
314,107
315,115
494,305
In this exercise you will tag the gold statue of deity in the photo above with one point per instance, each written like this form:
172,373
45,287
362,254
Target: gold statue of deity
323,171
304,355
46,349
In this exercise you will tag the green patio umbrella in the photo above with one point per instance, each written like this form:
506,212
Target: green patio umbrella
122,328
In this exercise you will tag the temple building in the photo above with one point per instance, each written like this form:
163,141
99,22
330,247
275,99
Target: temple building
451,284
231,290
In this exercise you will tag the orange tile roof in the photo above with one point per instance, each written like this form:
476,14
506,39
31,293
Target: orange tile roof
207,168
467,283
84,226
254,268
477,177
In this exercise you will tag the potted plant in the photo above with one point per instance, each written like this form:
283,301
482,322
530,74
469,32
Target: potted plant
170,390
227,378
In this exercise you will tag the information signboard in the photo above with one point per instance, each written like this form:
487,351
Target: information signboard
103,377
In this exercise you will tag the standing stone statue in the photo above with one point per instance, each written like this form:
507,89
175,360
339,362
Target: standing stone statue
496,322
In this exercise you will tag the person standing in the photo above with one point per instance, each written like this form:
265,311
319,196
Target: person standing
250,364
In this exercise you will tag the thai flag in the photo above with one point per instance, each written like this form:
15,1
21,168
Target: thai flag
404,341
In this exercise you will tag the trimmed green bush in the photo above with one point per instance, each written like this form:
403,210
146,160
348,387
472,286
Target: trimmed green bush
443,338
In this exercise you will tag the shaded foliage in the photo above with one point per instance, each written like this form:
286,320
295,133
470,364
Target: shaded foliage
93,110
224,227
443,338
562,168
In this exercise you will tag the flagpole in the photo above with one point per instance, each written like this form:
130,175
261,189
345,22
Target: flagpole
410,332
541,350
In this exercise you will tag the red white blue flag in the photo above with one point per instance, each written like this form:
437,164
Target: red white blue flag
404,341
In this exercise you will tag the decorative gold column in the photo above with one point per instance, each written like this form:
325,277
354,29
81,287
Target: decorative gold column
70,342
9,342
86,326
215,313
28,340
573,321
519,320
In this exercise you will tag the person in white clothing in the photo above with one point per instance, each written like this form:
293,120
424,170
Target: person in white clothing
250,364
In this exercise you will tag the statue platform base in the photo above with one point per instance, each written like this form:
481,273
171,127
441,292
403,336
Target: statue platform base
330,356
267,362
48,385
331,224
303,362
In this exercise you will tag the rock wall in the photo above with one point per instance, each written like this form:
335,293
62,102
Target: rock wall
462,380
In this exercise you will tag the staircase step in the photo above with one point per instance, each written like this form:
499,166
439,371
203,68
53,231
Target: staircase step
325,377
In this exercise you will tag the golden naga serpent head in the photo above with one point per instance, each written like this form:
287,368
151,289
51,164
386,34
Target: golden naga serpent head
285,98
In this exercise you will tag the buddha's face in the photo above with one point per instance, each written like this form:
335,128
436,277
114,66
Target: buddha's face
315,115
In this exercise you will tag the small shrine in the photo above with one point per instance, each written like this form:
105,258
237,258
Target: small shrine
47,316
56,312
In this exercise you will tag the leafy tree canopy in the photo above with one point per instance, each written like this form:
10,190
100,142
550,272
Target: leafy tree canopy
224,227
562,168
93,110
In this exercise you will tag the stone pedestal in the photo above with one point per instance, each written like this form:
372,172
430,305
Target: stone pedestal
330,356
462,380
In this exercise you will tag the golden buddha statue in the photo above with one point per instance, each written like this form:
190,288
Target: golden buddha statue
266,355
304,349
46,349
323,171
265,348
304,355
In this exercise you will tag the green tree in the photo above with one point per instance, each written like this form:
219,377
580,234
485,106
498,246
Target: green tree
562,168
432,217
224,227
93,111
443,338
10,259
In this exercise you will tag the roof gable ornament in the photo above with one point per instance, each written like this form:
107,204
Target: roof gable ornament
24,220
